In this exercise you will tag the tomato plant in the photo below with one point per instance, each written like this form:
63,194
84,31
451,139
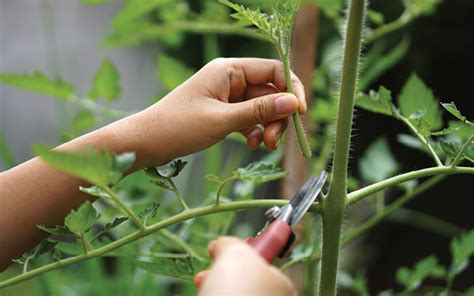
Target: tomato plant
178,231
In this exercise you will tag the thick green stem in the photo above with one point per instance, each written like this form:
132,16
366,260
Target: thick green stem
335,203
124,208
299,128
181,217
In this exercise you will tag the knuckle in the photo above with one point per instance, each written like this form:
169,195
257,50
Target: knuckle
260,110
218,62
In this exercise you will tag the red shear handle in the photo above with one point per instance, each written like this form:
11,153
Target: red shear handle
272,240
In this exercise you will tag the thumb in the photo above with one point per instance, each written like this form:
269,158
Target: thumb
262,110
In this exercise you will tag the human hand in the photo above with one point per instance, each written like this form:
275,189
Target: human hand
239,270
226,95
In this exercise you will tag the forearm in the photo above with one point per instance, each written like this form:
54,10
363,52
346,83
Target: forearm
33,193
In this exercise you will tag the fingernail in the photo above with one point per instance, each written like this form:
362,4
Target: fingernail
211,248
285,104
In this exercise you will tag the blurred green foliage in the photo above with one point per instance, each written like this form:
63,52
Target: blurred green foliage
189,34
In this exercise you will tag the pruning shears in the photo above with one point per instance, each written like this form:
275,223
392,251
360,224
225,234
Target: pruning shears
277,236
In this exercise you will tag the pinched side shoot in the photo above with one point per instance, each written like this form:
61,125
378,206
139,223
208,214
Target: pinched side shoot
277,29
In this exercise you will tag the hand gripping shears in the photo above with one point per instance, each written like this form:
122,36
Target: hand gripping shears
277,236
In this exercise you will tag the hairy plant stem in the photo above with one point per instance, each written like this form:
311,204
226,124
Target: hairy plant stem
299,128
357,195
124,208
334,204
178,218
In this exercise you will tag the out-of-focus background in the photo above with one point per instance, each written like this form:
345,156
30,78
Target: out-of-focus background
146,42
62,37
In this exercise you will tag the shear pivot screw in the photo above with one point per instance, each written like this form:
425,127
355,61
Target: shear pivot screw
272,213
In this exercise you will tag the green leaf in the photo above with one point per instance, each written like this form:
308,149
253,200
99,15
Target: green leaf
376,17
123,162
427,267
423,128
416,96
451,108
259,172
462,248
43,247
106,83
167,171
331,8
39,83
149,212
135,9
359,285
276,27
469,292
91,165
111,225
378,102
445,131
95,191
82,121
463,130
182,266
82,219
377,162
416,8
6,154
57,230
324,110
172,72
451,149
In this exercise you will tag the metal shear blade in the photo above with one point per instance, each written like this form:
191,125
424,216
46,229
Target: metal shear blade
305,197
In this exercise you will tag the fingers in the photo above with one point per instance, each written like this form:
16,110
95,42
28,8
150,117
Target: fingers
254,136
217,247
239,270
242,73
261,110
199,278
273,132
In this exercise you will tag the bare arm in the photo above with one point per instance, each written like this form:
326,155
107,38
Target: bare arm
227,95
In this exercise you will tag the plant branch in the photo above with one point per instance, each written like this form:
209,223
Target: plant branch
83,241
422,139
178,194
374,220
299,128
221,187
458,157
386,29
335,203
91,105
178,218
425,221
124,208
357,195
